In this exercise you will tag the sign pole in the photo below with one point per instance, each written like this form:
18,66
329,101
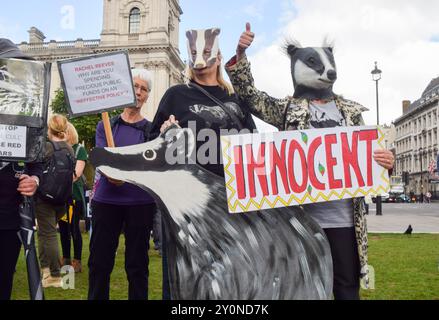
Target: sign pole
107,127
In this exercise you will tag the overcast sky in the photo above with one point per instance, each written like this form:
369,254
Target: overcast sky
402,35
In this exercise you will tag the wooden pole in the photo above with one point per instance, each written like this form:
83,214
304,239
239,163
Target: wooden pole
108,132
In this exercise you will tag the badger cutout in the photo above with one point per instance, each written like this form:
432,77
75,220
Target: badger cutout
261,255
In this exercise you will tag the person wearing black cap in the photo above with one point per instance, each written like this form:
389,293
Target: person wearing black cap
16,180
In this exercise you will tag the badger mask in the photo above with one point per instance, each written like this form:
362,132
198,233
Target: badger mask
313,70
203,47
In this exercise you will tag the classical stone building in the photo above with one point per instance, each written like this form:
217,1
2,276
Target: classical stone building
417,140
147,29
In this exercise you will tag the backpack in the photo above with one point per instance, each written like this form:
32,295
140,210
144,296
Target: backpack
57,179
146,128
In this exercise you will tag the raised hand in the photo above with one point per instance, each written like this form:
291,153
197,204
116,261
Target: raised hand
245,41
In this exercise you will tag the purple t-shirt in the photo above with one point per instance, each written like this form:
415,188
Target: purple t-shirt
126,194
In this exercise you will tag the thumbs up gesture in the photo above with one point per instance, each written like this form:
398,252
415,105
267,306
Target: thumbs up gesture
245,41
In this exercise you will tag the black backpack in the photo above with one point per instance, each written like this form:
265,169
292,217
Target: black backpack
57,179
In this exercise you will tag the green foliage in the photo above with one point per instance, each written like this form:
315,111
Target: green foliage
86,125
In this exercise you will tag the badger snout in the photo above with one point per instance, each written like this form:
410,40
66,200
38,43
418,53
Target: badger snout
332,75
98,157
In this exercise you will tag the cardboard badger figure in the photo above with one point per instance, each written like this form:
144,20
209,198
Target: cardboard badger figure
313,105
268,254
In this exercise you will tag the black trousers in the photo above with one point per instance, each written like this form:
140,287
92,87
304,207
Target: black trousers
107,223
71,230
346,263
166,290
10,246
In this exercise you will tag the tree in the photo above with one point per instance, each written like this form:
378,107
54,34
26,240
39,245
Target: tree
86,125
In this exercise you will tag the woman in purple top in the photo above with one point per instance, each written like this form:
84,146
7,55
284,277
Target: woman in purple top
118,205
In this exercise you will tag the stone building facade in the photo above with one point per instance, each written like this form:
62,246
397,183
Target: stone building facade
147,29
417,140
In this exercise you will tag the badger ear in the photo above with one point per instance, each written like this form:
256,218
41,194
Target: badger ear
328,44
189,35
291,46
291,49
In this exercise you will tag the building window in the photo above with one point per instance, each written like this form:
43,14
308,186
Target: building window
134,21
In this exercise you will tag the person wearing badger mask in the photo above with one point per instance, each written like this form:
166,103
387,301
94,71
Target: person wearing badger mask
207,101
314,105
116,205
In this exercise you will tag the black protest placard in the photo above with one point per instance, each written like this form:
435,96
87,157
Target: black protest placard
24,98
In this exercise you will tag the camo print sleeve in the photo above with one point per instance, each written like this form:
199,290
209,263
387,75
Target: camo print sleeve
262,105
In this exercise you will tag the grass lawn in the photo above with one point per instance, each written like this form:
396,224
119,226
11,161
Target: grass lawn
406,267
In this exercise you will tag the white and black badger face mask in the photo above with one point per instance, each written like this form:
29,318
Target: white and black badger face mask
203,47
313,70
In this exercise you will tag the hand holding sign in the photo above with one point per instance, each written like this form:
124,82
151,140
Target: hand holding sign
384,158
245,41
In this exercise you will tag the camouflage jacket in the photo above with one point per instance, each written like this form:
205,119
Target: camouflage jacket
293,114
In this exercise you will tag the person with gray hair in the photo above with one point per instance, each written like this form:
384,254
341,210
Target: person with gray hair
118,205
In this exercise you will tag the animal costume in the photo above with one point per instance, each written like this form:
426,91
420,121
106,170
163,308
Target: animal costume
314,72
267,254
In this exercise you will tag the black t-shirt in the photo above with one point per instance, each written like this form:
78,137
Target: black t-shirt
10,198
189,104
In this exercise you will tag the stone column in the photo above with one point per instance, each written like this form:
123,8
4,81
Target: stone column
160,73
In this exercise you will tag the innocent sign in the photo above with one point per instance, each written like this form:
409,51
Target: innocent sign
12,141
292,168
97,83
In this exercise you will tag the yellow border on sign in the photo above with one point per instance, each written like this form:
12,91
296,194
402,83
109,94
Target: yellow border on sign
287,202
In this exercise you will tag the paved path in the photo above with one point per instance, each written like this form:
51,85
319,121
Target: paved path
424,218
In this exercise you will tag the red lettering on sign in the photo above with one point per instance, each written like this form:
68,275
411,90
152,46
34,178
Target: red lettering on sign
239,172
312,173
350,159
331,162
279,165
295,187
259,168
369,136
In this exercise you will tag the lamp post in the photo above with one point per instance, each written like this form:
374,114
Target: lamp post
376,76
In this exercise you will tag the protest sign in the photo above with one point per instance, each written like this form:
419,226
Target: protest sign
13,141
97,83
291,168
24,96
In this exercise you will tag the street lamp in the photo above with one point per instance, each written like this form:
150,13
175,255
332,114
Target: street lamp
376,76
